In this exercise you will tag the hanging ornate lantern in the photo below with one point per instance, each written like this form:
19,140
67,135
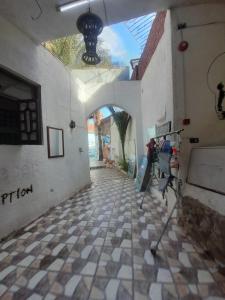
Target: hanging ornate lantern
90,25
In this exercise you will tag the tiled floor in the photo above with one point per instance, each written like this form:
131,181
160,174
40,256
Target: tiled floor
96,246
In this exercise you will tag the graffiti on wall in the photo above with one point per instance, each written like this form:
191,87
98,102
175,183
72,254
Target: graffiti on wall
17,194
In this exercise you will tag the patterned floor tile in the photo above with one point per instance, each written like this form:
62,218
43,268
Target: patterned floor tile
111,289
145,272
71,286
96,245
120,255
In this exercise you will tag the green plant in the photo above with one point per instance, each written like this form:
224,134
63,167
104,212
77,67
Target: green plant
121,120
124,165
70,49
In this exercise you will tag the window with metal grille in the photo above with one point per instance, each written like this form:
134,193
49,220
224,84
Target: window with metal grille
20,110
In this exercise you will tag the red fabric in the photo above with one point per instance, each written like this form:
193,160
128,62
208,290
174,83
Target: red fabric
151,147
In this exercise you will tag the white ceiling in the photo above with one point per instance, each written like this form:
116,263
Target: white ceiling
53,24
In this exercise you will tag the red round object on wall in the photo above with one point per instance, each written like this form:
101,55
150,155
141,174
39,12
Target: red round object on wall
183,46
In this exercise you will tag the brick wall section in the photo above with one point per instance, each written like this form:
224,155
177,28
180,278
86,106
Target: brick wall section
154,37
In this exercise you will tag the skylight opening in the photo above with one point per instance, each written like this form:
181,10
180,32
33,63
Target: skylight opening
140,28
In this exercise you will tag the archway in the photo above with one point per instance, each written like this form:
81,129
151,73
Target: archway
112,138
123,94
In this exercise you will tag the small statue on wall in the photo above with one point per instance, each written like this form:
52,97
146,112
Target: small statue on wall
221,96
220,88
215,82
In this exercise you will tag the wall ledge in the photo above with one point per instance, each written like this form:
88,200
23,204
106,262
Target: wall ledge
213,200
205,226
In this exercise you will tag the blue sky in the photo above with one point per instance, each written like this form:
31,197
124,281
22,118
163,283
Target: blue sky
105,111
128,42
126,39
121,44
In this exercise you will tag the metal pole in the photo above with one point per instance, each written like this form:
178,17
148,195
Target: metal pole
177,193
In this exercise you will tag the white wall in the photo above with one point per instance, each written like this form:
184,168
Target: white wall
192,98
157,91
116,148
174,86
93,76
157,85
130,142
20,166
125,94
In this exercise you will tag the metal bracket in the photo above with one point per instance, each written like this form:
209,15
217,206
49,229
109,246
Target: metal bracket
181,26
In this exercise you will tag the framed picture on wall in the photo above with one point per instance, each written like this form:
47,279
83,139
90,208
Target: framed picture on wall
55,141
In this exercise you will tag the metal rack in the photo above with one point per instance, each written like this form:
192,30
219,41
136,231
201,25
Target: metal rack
177,189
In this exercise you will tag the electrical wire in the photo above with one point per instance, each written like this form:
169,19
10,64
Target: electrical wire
106,15
209,69
202,25
213,61
40,13
207,77
184,79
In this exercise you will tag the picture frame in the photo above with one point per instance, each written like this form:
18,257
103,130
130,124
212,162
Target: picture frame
55,140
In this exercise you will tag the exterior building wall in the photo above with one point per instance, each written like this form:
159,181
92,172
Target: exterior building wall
21,166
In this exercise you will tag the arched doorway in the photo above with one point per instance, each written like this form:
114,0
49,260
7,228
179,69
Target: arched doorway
112,138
